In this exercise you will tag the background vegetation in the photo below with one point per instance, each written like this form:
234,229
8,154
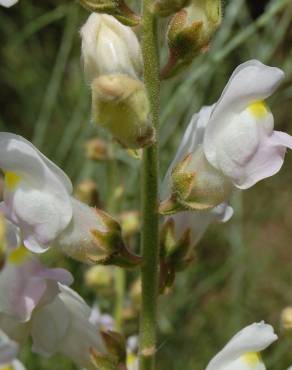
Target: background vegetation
243,269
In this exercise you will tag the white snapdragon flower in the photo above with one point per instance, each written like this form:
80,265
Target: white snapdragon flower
109,47
197,222
38,199
64,326
242,351
34,301
8,3
229,145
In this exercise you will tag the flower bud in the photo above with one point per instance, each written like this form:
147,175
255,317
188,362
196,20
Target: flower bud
190,32
99,278
96,150
136,293
109,47
196,185
93,236
175,254
117,8
130,223
286,319
87,192
120,105
164,8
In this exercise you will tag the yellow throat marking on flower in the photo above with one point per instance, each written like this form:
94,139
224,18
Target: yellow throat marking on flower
6,367
258,109
11,180
18,255
252,358
131,358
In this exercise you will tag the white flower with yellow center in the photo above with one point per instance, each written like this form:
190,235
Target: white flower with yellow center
229,145
36,301
38,199
242,352
109,47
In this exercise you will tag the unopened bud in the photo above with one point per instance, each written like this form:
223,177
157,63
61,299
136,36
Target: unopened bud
116,8
96,150
115,344
135,293
93,236
196,185
286,319
130,223
165,8
175,254
86,191
109,47
116,348
190,33
120,104
99,278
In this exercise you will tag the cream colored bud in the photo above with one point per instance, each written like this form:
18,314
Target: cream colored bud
135,293
96,149
120,104
117,8
109,47
196,185
165,8
190,32
87,192
99,278
208,12
286,319
130,223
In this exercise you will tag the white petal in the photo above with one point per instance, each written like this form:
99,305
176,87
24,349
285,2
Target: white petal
8,3
17,365
16,330
40,201
49,327
64,326
8,349
268,159
251,81
19,155
198,222
253,338
109,47
12,234
24,284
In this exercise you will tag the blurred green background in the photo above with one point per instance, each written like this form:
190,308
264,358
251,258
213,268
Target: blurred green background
243,269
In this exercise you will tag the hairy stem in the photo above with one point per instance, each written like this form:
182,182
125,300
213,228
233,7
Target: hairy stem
150,219
120,282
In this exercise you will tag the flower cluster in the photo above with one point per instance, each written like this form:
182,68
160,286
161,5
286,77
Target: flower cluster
227,146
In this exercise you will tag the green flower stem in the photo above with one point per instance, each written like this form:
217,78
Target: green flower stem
120,283
150,218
